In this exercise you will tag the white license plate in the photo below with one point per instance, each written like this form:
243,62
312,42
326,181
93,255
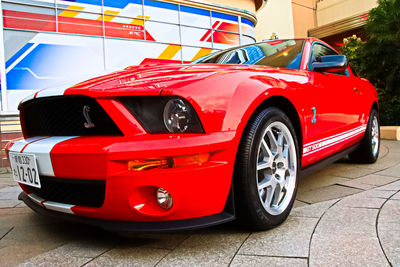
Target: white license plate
24,169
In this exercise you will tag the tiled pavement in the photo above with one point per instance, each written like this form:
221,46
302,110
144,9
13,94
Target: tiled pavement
345,215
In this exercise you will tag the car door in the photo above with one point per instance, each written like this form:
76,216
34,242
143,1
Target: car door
334,112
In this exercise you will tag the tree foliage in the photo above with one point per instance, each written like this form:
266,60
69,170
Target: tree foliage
378,59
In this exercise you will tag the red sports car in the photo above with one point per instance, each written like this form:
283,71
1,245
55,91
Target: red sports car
179,146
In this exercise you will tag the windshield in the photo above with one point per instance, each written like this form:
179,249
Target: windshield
276,53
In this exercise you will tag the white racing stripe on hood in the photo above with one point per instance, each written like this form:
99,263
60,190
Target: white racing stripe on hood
59,89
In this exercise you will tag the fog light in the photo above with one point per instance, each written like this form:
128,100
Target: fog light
164,199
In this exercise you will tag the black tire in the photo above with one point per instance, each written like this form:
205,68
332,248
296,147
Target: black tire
366,153
249,207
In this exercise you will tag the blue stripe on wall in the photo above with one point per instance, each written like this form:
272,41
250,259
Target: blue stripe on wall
224,16
196,11
120,4
248,22
160,4
18,54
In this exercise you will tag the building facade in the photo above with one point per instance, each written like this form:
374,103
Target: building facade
47,42
329,20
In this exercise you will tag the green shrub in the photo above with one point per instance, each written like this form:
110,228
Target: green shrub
378,59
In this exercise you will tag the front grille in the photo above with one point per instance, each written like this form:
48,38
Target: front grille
88,193
66,116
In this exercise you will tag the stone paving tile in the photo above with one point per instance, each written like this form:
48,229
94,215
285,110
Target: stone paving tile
84,248
377,180
244,260
298,203
39,233
348,221
392,171
361,202
23,219
9,195
55,259
347,170
357,184
394,146
396,196
346,250
163,241
7,203
13,253
291,239
390,213
11,189
392,159
314,210
317,181
389,231
135,256
346,236
326,193
390,187
377,193
4,231
209,248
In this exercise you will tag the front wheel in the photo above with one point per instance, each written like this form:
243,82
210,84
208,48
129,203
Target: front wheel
266,170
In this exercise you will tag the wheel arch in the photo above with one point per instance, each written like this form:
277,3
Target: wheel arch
288,108
375,106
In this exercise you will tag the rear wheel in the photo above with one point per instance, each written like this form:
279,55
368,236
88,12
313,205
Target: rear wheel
266,170
368,151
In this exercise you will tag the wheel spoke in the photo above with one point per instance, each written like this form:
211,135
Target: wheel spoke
273,141
265,148
264,165
285,151
265,183
280,144
270,196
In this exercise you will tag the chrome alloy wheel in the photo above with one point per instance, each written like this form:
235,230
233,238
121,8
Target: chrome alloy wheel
276,168
375,136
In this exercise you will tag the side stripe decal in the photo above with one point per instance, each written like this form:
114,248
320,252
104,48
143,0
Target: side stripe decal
324,143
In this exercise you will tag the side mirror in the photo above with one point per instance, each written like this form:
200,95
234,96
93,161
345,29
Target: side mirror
330,63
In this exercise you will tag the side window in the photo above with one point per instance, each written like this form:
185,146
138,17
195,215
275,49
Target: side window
320,50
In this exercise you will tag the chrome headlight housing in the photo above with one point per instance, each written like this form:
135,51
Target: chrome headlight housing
164,114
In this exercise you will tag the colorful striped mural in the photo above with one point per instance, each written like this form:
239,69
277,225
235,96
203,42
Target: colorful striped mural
53,41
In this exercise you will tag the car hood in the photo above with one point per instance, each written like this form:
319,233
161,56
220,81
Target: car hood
150,79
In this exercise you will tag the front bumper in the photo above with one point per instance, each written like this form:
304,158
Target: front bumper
130,226
200,192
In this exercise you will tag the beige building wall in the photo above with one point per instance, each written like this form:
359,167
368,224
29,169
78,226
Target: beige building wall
275,17
333,10
303,17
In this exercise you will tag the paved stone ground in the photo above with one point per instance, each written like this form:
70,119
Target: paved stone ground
345,215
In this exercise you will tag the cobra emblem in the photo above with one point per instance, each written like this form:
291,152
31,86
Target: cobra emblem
88,124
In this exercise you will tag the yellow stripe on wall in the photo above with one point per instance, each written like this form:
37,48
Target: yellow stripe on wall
139,20
108,15
71,14
170,52
202,52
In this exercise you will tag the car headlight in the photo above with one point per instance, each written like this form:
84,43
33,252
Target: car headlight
164,114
